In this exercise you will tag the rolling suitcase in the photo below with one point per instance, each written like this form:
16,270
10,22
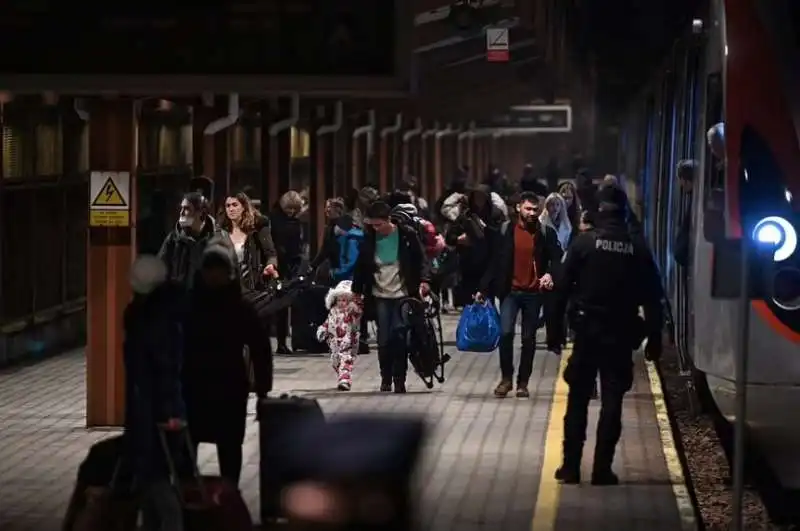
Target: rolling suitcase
276,416
210,503
102,499
308,313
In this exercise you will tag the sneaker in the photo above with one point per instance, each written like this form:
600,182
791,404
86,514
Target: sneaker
503,388
399,386
522,391
344,386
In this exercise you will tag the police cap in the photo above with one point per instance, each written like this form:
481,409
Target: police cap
613,196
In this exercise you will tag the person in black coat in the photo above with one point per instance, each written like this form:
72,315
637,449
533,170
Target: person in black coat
182,248
152,352
287,234
391,266
471,235
220,323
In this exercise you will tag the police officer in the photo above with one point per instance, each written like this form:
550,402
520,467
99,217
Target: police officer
608,273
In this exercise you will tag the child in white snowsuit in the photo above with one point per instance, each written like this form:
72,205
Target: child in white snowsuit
341,331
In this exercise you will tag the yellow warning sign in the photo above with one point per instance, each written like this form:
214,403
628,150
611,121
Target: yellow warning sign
109,196
109,199
109,218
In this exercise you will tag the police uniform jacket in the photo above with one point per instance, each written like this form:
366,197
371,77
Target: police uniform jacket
499,275
608,273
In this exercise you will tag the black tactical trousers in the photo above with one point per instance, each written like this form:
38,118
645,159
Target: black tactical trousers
615,365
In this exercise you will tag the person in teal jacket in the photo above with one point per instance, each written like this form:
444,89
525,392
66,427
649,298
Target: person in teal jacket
349,237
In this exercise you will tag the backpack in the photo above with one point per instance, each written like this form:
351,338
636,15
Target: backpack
425,230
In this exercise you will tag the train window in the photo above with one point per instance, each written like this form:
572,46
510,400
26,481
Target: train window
714,173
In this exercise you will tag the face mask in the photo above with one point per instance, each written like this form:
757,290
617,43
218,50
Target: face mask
185,221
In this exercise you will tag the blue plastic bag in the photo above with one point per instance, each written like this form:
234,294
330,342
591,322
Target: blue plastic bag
478,328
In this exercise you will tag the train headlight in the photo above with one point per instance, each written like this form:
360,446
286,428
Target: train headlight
778,232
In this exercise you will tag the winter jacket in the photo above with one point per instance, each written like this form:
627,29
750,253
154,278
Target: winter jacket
348,243
182,251
218,326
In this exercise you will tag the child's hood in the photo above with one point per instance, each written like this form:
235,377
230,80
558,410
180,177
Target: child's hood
342,288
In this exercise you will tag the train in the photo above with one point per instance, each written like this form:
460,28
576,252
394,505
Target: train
734,72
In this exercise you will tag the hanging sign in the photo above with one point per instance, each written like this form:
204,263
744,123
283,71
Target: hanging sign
109,199
497,50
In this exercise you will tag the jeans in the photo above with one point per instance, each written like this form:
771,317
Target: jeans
529,304
161,509
392,355
282,326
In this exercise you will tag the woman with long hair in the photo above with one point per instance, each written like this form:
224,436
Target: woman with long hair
251,236
569,193
555,215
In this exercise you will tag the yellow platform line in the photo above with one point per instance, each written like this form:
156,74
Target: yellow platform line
547,498
674,466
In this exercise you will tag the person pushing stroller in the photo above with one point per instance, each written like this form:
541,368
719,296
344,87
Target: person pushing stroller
341,331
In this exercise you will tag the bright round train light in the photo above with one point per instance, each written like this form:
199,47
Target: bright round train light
777,231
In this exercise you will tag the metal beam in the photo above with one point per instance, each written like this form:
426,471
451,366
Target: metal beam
442,12
471,59
477,34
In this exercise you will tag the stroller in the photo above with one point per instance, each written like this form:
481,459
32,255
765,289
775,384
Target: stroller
277,295
424,340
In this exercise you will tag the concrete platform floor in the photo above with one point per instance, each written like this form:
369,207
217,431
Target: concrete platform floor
488,464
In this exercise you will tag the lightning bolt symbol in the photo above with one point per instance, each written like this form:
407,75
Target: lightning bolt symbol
109,193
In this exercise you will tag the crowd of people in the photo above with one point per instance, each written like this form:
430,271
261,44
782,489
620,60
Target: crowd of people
196,347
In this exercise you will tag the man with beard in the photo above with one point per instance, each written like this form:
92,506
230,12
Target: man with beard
183,248
524,255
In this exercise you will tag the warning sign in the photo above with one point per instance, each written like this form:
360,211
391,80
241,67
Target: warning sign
109,199
497,50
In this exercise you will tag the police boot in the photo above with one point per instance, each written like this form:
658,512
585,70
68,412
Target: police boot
601,470
570,470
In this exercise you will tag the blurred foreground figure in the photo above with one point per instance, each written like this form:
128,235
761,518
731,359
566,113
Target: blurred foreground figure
153,356
352,473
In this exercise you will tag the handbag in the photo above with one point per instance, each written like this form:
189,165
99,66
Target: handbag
478,328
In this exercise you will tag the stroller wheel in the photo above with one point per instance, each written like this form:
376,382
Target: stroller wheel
429,384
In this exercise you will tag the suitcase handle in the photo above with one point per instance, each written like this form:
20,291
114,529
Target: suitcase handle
190,453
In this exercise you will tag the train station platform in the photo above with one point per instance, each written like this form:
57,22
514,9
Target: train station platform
489,463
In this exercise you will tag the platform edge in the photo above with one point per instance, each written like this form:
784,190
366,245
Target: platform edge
683,498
